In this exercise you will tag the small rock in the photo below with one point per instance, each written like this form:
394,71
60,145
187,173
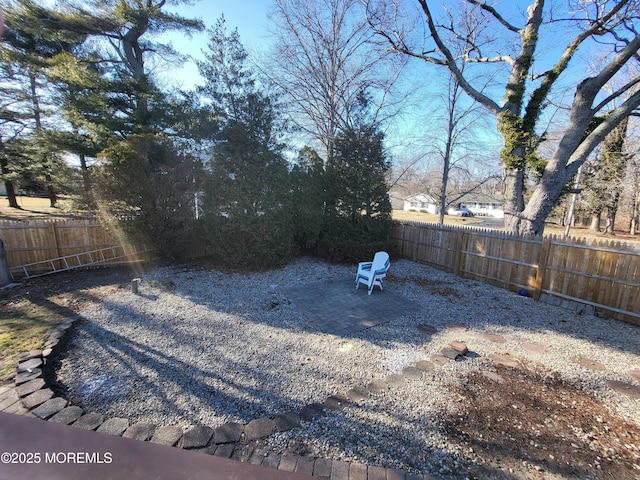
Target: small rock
460,347
168,435
412,373
287,421
534,348
228,433
140,431
114,426
439,359
36,398
197,437
258,428
25,377
428,329
49,408
67,415
29,365
425,365
357,393
634,373
459,327
624,388
89,421
312,411
377,387
492,337
394,380
450,353
494,377
29,387
336,402
589,363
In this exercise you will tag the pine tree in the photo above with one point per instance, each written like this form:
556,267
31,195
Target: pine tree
247,195
358,215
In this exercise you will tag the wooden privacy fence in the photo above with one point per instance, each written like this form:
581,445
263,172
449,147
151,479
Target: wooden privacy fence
597,277
40,247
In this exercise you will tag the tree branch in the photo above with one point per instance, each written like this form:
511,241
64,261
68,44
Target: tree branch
612,120
495,14
453,67
633,83
534,105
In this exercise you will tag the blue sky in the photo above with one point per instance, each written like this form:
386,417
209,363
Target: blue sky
248,16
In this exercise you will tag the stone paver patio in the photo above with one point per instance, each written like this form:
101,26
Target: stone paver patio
336,307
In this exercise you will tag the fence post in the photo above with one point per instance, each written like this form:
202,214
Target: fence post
54,233
543,258
416,242
458,242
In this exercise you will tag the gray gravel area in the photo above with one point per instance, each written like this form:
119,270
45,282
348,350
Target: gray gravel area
201,347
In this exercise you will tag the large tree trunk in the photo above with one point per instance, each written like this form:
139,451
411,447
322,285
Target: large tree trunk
543,198
633,224
8,184
595,222
513,199
11,194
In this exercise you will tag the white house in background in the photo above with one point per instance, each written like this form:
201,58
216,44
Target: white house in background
421,202
483,204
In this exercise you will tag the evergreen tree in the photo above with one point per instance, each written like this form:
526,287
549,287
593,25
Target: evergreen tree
159,211
604,177
358,216
30,45
307,179
247,196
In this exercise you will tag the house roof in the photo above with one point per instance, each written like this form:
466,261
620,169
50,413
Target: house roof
481,198
421,197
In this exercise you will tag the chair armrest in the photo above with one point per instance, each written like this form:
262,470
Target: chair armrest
365,266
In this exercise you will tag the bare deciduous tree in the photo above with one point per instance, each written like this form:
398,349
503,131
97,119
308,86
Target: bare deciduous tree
324,59
520,104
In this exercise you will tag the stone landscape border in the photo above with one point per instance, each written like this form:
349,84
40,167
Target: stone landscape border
237,441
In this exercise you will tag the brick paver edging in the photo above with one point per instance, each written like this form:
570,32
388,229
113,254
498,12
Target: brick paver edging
31,396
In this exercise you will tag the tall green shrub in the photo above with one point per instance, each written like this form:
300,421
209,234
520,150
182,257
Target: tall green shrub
307,179
150,189
247,193
358,209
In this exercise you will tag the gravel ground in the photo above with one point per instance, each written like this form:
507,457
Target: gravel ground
201,347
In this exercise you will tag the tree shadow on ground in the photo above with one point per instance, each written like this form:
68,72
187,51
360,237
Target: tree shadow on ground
483,309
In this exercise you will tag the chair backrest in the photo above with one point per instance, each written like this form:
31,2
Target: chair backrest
380,263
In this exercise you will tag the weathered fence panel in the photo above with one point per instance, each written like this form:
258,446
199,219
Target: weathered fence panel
32,245
599,276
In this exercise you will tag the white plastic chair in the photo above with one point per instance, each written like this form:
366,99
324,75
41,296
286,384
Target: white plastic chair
372,273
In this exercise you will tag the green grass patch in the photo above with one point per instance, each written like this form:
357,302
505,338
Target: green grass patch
23,326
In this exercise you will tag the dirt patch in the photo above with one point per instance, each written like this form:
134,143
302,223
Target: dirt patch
30,311
518,423
437,288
